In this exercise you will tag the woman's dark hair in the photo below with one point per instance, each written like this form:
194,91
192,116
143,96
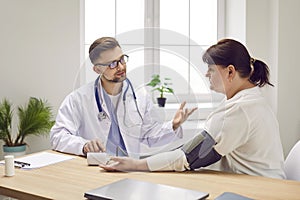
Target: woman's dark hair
100,45
230,52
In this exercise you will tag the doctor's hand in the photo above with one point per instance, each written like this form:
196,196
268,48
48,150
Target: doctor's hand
182,115
125,164
95,145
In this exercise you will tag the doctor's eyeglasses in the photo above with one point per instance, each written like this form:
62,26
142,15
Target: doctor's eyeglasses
123,60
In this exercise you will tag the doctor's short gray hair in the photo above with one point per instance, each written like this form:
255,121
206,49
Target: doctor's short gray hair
100,45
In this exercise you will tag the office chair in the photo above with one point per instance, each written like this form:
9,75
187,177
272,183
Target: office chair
292,163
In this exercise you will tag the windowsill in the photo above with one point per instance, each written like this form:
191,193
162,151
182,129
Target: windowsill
195,123
204,109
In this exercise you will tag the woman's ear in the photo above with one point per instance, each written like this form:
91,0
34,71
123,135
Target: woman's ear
231,72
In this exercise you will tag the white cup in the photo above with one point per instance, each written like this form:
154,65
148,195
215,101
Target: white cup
9,165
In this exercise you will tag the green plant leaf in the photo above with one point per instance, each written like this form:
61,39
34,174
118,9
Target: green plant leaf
5,120
161,87
35,119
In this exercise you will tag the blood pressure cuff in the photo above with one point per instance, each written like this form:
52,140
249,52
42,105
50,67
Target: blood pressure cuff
199,151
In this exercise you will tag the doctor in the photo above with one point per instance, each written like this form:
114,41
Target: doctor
107,115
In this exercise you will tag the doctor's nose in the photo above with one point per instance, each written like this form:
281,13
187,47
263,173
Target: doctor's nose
120,66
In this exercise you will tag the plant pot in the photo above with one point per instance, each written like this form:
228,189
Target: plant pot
161,101
16,151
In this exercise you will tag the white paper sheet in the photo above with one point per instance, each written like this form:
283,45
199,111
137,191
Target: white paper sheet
42,159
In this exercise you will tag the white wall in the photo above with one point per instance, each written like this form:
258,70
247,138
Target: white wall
288,72
39,53
235,19
272,32
262,40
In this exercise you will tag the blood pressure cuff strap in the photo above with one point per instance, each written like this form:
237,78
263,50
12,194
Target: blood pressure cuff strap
200,151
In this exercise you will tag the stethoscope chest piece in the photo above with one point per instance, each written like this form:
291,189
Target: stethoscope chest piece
101,116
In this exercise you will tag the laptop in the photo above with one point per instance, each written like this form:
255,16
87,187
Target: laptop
126,189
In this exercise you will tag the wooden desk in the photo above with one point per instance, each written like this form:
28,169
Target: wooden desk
70,179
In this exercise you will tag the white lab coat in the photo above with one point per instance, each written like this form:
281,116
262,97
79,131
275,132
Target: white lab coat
77,122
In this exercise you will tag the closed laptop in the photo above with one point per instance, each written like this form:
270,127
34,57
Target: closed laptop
126,189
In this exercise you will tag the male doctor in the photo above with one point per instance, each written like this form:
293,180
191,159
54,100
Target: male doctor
107,115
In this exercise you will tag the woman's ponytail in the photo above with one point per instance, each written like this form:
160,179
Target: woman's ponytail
260,74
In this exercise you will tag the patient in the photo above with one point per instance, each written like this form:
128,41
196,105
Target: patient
240,136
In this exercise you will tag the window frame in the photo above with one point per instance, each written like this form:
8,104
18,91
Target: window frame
150,20
154,57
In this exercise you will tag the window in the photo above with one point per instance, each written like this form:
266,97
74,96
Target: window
160,36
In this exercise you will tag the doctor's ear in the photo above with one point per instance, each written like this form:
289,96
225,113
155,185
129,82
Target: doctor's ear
97,69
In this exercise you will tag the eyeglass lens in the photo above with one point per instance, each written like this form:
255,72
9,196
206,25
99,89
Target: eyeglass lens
123,60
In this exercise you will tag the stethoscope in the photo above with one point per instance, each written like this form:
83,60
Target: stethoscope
101,114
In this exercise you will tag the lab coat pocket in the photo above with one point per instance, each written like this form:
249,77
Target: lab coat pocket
132,118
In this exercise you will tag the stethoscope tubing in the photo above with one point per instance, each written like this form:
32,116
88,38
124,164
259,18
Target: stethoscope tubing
101,114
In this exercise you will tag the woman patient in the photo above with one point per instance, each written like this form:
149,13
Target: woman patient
240,136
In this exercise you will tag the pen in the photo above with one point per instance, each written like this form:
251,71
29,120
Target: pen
23,164
122,151
108,160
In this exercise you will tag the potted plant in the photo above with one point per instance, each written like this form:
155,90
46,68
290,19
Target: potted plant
35,118
162,87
